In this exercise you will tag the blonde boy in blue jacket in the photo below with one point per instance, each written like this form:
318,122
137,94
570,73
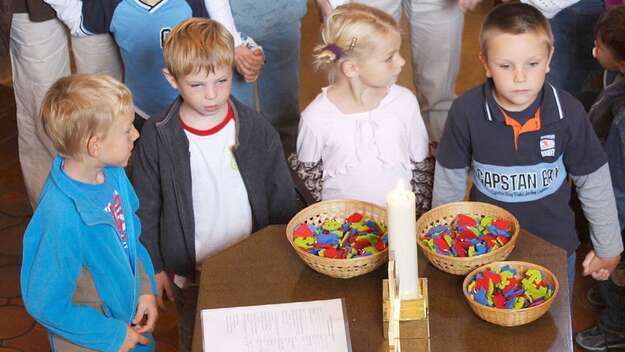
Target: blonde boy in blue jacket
85,275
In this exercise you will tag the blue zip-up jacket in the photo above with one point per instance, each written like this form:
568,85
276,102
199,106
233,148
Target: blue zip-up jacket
77,280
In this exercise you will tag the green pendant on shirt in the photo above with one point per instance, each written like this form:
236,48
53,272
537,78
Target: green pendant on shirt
233,161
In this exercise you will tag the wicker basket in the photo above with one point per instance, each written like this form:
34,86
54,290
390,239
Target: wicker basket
511,317
318,213
444,215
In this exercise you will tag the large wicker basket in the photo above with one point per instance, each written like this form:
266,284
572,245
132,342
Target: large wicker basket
318,213
444,215
511,317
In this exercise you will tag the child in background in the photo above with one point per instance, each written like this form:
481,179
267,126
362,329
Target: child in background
140,29
85,275
521,138
208,172
607,116
573,68
364,129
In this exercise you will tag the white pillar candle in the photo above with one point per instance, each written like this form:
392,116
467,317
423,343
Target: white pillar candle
402,235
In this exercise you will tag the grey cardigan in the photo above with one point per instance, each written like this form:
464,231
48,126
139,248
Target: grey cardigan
161,175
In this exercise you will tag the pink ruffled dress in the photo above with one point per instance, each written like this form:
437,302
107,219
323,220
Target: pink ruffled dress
364,154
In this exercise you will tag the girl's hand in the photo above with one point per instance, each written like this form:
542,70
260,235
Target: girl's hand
132,339
146,315
599,268
249,62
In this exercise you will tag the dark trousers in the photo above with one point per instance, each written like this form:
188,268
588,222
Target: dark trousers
186,306
613,316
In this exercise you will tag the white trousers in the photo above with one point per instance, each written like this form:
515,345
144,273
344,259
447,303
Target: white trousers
436,41
40,55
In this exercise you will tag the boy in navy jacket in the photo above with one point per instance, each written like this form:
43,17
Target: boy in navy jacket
522,138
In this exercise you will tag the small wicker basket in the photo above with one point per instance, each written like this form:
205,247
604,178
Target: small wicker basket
511,317
317,214
445,215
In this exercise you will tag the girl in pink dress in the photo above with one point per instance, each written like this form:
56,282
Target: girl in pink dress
365,131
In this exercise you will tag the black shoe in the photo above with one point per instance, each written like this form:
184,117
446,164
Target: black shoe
595,339
594,297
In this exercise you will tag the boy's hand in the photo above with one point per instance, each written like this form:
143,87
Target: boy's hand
249,62
599,268
163,284
146,315
132,339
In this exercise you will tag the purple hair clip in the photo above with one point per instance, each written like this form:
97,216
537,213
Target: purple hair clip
338,52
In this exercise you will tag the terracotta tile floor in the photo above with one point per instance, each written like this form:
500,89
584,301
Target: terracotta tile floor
18,332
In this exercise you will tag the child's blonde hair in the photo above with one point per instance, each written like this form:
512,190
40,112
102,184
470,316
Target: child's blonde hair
514,18
351,31
198,44
79,107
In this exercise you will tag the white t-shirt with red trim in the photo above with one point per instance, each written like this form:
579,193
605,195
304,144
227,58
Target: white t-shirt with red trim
222,211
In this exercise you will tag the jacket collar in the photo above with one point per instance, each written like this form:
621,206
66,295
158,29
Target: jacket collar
171,120
89,212
551,108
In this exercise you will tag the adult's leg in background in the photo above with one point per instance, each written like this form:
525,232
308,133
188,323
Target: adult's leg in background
278,84
436,41
97,54
39,56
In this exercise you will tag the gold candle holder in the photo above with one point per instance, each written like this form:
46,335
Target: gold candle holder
405,322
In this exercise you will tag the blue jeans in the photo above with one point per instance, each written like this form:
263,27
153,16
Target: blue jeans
278,84
573,31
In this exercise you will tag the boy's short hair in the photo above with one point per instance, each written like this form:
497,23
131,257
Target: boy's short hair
610,28
514,18
79,107
198,44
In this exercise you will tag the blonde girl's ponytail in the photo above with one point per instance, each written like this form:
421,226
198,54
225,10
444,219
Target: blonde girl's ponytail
350,32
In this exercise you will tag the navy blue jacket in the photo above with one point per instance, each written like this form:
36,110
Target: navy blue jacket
529,180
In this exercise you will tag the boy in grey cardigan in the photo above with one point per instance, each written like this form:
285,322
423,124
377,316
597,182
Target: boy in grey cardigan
208,172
